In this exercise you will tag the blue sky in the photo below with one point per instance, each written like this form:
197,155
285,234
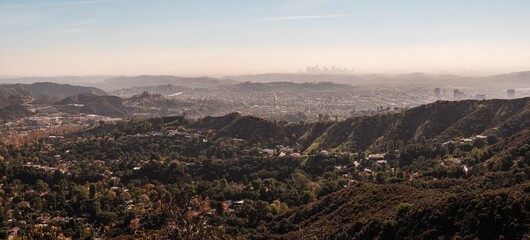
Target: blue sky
200,37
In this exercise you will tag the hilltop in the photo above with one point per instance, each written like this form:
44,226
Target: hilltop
93,104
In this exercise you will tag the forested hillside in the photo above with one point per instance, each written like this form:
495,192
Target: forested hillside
94,104
447,170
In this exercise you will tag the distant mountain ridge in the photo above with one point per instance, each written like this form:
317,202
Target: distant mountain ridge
153,80
50,89
515,79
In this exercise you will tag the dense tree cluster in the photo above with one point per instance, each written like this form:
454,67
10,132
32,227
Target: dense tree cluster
177,178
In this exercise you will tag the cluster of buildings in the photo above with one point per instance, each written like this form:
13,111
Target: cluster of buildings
477,94
46,124
336,103
330,70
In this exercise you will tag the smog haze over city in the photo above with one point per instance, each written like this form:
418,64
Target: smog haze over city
279,119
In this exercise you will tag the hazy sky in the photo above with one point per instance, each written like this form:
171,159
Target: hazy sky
199,37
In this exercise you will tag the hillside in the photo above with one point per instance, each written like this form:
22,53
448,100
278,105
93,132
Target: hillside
93,104
11,103
398,211
14,111
9,96
440,121
419,174
493,201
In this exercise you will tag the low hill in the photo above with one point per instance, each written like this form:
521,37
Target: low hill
14,111
93,104
9,96
252,129
217,123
